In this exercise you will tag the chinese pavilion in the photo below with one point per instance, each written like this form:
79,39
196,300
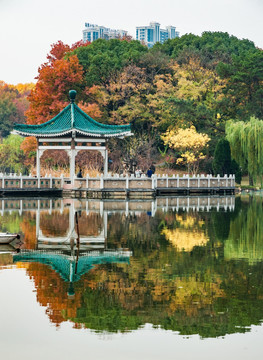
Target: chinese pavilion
72,130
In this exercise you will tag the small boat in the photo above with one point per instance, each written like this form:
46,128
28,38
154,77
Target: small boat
6,249
6,238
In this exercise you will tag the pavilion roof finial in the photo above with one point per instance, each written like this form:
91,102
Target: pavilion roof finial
72,120
72,95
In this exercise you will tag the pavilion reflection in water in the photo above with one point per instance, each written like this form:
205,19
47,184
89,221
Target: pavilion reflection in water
103,287
64,254
71,261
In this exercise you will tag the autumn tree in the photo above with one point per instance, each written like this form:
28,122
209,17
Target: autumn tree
29,148
13,104
125,98
176,96
50,94
55,78
190,144
136,151
190,95
199,81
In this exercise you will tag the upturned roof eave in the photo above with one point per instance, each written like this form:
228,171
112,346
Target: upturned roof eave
62,133
73,119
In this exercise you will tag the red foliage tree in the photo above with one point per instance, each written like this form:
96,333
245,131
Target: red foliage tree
50,94
58,51
29,147
61,73
55,78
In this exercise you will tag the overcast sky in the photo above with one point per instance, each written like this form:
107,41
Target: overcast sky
29,27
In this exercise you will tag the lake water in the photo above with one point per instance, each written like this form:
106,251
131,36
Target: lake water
173,278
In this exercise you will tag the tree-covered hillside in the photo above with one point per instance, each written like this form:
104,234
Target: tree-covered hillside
200,81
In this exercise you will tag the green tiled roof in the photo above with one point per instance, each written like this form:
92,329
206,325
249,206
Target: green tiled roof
72,118
62,264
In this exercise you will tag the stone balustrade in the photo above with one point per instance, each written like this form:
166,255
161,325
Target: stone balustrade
119,183
14,181
157,182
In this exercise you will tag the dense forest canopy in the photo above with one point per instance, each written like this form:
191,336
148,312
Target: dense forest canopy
199,81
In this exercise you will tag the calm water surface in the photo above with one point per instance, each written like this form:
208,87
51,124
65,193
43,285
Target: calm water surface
172,278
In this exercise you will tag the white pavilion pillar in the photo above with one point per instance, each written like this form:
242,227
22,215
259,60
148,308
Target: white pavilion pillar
38,167
72,165
72,155
38,164
38,160
106,163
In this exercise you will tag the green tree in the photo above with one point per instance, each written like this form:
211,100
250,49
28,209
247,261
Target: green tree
210,47
7,113
222,158
8,110
223,163
11,156
103,59
245,84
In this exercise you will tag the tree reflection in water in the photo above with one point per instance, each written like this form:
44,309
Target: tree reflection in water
191,272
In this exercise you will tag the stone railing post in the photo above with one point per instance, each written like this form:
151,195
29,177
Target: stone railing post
153,181
208,181
226,180
62,181
218,180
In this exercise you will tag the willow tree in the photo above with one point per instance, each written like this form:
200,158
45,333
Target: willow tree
246,143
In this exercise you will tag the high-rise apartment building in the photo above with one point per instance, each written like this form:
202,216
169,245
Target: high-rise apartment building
93,32
152,34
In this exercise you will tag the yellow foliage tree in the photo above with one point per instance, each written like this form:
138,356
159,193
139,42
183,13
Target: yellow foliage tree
189,143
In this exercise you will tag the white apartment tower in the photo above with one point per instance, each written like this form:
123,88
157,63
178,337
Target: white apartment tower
149,35
93,32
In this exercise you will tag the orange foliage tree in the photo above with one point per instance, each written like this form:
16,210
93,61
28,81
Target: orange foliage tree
29,147
55,78
50,95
